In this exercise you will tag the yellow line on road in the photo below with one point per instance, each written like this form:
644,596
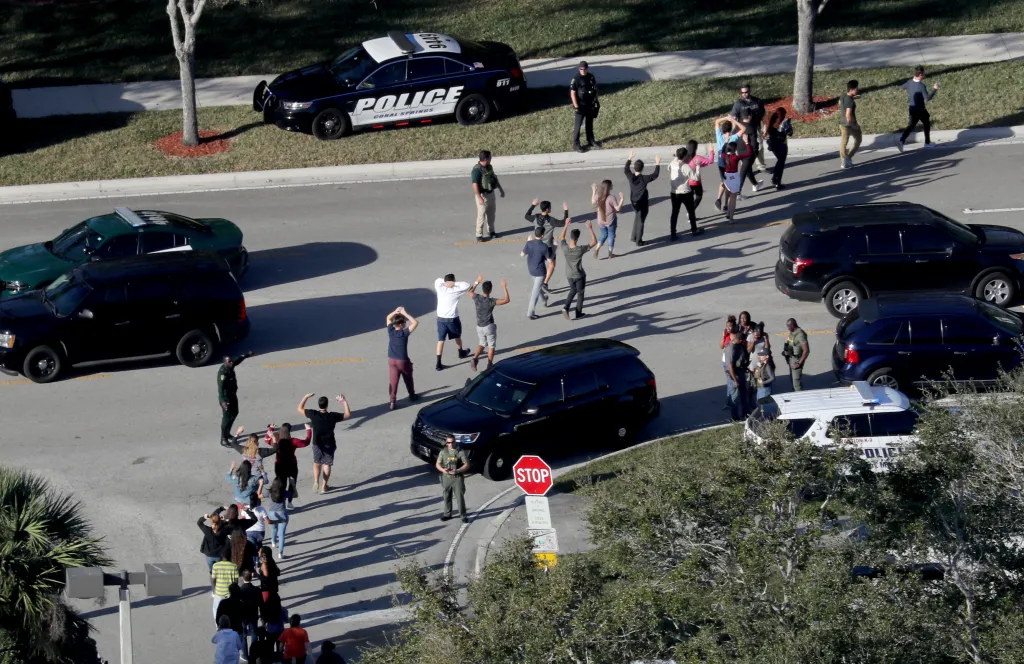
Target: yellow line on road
25,381
528,349
307,363
503,240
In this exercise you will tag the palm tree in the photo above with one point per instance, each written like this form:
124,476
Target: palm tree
42,532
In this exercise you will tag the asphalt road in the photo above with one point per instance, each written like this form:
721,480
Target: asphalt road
138,443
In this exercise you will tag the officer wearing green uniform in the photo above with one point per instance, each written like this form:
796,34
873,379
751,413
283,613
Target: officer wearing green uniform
796,351
453,464
227,395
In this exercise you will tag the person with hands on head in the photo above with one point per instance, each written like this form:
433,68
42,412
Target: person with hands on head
453,464
547,224
215,538
227,395
246,483
324,444
486,328
574,272
638,193
400,324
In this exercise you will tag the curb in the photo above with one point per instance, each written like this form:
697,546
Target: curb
426,170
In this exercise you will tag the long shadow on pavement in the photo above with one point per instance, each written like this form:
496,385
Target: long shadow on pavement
272,267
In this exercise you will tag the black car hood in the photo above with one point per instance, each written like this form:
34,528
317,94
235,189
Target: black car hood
22,307
453,415
306,84
1000,237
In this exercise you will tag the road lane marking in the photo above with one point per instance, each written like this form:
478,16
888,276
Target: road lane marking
992,210
528,349
24,381
15,381
307,363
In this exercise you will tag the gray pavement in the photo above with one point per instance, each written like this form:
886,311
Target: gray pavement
554,72
137,443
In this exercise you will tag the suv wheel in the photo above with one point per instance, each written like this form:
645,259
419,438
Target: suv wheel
473,110
843,298
498,466
42,364
195,349
883,378
997,289
330,124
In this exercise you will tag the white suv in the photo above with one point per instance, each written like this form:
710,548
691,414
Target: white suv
879,419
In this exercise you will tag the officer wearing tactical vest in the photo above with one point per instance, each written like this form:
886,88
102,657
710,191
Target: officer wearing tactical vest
583,93
453,465
227,395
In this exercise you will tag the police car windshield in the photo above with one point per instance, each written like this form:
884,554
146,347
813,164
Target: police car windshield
496,392
71,245
352,66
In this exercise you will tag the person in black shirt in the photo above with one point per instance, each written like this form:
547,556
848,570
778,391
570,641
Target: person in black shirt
755,107
638,193
583,94
227,395
324,444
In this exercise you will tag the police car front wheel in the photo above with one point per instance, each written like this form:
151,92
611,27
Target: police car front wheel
473,109
330,124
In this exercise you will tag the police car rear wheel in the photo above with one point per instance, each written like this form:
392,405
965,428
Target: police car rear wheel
195,349
330,124
473,110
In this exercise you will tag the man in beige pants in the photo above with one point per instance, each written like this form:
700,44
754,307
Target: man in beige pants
484,184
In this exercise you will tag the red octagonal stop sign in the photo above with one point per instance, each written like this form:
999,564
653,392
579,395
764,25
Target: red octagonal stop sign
532,475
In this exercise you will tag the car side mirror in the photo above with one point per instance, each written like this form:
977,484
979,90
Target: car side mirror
85,313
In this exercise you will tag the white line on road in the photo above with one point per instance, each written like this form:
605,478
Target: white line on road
992,210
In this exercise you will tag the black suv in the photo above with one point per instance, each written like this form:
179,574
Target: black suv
553,401
844,254
899,341
181,303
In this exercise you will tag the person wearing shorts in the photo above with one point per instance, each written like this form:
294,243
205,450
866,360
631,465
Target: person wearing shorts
448,324
723,136
486,329
734,173
323,422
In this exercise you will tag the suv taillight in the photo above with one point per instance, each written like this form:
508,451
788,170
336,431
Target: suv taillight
516,72
799,264
652,383
241,311
852,357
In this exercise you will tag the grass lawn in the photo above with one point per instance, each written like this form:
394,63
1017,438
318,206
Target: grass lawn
99,40
72,148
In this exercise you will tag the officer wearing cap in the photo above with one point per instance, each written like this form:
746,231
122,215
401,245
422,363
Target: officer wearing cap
583,93
227,395
453,465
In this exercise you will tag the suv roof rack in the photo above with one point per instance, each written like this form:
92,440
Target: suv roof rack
401,40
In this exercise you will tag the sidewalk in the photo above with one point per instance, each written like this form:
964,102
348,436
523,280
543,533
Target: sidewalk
553,72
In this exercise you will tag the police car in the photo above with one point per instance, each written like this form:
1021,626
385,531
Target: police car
401,79
878,420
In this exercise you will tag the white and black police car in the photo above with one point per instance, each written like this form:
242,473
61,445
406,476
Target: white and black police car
402,79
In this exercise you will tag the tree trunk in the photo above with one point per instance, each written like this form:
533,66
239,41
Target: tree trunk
803,77
190,122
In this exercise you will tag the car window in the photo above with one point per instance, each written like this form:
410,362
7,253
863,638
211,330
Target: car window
889,333
960,232
426,68
547,394
883,240
496,391
925,240
1001,318
965,332
894,424
853,426
579,384
153,242
453,67
391,74
800,426
119,246
72,243
352,66
65,295
926,332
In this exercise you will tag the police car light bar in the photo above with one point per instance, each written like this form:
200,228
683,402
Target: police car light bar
402,41
129,216
867,394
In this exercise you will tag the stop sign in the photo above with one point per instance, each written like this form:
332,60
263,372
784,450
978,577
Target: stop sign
532,475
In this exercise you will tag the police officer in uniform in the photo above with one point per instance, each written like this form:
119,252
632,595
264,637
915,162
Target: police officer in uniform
227,395
796,351
453,465
583,93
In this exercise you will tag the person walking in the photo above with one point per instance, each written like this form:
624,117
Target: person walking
486,328
286,465
485,182
796,351
638,193
737,359
698,162
223,575
545,221
215,538
257,532
246,484
607,215
725,133
400,325
750,105
777,133
275,618
228,643
227,395
295,640
583,95
751,134
275,503
253,453
682,175
848,125
251,598
453,464
323,422
539,265
733,160
268,573
233,609
449,326
577,277
917,93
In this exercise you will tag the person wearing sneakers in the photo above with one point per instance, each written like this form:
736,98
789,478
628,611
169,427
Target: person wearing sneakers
574,253
286,465
749,104
751,133
698,162
453,464
918,94
400,324
485,183
540,264
638,195
733,161
848,126
486,329
324,444
725,133
607,215
448,324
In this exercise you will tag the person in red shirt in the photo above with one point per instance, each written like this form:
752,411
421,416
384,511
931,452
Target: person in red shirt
733,159
286,466
294,639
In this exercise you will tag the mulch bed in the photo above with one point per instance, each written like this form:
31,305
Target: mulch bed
823,108
210,142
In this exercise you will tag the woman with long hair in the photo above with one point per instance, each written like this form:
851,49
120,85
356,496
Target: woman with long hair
607,215
274,616
698,162
268,572
779,129
246,484
215,536
734,160
277,514
286,465
242,550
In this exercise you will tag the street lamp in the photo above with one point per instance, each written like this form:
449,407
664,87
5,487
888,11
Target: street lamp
160,579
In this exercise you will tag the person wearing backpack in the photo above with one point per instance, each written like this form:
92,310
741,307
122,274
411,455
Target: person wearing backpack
737,358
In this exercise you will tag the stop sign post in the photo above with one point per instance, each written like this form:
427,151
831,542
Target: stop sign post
533,476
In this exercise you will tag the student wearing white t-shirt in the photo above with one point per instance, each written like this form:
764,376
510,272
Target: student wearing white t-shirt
256,533
448,324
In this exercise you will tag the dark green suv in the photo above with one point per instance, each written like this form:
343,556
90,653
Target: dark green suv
122,234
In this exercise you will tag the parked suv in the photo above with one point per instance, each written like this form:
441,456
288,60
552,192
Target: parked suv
844,254
898,340
181,303
553,401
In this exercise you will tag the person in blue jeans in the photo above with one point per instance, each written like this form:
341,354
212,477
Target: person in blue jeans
737,359
245,482
539,265
277,514
607,215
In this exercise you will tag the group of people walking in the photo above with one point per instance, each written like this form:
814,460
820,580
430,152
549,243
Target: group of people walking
749,365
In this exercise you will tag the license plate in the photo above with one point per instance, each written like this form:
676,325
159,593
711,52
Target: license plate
423,450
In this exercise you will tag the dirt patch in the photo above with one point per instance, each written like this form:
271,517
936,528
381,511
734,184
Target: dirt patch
823,108
210,142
